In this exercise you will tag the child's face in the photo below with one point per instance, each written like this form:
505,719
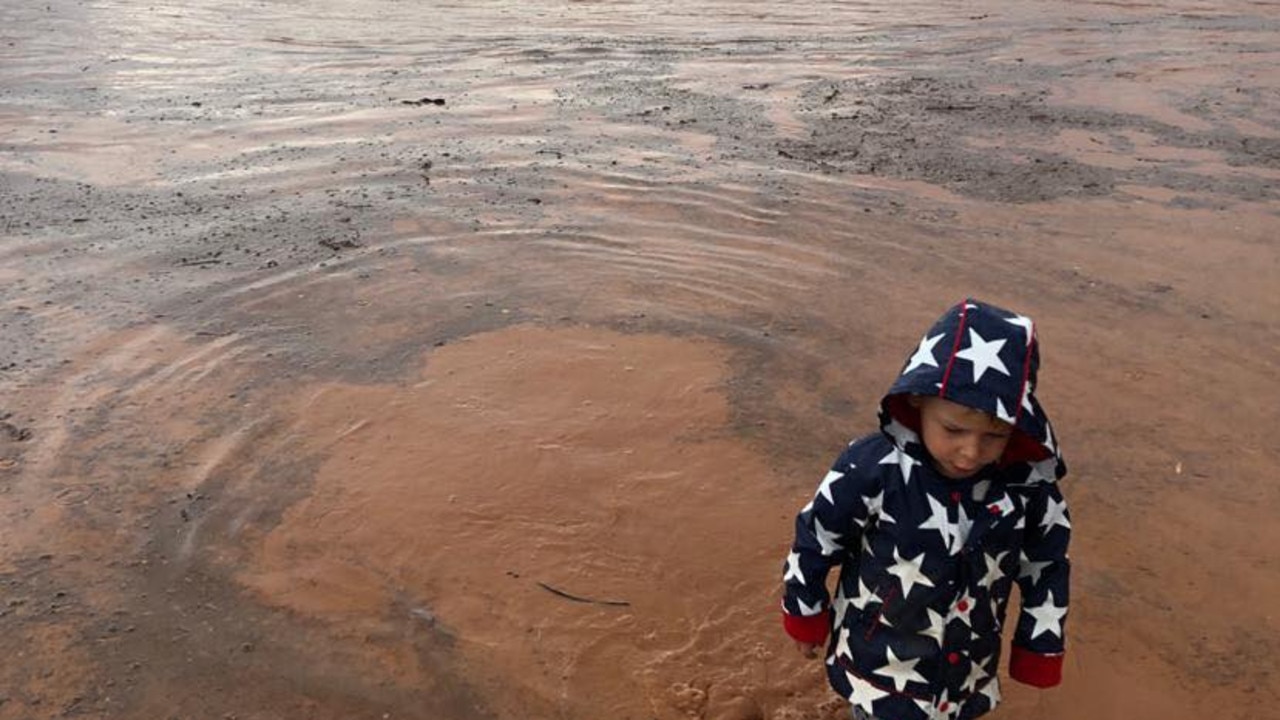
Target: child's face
961,440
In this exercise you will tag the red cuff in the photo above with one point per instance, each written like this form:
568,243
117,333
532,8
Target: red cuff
811,629
1031,668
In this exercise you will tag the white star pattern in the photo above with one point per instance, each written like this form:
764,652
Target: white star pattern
1055,514
874,505
1027,389
902,460
976,675
1025,323
829,541
1043,471
938,521
1002,413
992,691
900,433
909,572
886,517
809,610
839,606
864,693
980,489
900,672
993,569
1048,438
824,489
1032,569
984,354
793,568
945,707
1048,617
863,597
936,626
962,609
924,354
842,644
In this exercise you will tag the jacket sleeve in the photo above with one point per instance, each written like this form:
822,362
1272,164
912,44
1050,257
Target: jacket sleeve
1044,580
828,532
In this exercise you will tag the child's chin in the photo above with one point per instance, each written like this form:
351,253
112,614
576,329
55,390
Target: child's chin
952,473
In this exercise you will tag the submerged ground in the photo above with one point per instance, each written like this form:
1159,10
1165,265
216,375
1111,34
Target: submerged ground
344,344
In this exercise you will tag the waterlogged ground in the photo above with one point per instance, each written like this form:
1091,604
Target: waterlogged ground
417,360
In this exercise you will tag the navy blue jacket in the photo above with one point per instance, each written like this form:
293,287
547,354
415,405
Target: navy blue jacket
927,562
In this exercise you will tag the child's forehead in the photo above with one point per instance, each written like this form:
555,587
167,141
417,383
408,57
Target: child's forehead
954,411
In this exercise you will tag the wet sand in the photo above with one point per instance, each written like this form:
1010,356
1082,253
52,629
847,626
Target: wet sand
368,360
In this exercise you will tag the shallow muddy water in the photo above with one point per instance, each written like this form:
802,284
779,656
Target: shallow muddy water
451,361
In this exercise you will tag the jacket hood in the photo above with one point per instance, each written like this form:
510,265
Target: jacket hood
986,358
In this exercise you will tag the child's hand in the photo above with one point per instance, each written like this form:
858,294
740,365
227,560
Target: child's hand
808,650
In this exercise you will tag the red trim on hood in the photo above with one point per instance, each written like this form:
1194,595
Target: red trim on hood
902,411
955,348
1023,448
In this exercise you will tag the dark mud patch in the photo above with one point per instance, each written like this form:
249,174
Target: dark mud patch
194,630
637,95
133,595
931,129
14,438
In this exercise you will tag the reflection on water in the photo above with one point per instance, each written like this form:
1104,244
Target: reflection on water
384,312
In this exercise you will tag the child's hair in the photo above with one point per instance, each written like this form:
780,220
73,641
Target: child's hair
920,401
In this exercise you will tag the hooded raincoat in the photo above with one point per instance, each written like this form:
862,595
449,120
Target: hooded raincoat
927,562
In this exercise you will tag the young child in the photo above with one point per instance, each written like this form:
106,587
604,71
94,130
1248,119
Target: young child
932,520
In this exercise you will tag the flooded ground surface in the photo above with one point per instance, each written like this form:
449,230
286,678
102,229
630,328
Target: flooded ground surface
344,344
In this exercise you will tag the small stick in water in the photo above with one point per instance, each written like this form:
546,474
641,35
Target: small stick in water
578,598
